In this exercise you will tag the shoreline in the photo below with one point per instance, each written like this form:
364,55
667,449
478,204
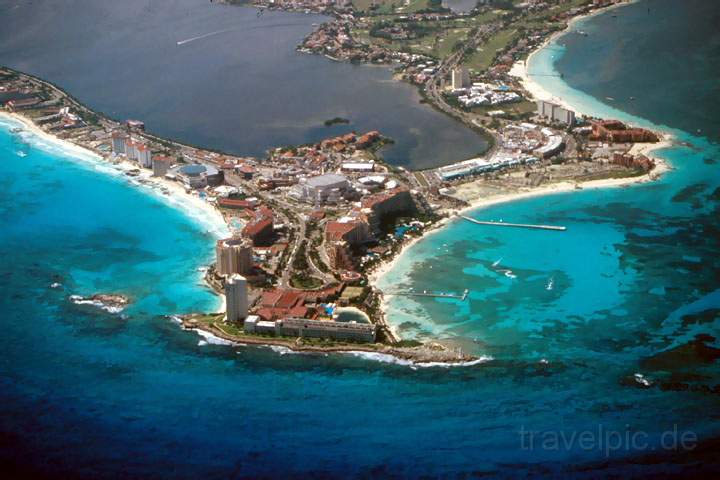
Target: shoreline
196,210
537,92
214,218
421,357
191,205
385,267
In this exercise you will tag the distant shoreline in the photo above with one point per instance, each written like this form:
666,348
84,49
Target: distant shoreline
537,91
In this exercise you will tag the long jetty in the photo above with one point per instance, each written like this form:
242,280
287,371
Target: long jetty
425,293
516,225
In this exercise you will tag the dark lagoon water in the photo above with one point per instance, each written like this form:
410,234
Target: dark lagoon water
95,395
235,83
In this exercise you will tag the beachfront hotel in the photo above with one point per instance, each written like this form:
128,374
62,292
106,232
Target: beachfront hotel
234,256
236,296
196,175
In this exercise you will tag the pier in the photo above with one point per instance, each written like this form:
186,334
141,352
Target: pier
426,293
516,225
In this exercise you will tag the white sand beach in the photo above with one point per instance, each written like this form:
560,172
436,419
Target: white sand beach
197,208
201,211
537,91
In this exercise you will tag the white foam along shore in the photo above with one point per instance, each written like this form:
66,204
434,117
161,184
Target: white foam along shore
200,211
197,209
539,93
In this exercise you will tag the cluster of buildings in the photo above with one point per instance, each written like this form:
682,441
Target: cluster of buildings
345,236
58,119
305,5
520,144
615,131
528,138
333,39
192,175
633,161
419,69
304,328
132,148
475,94
485,94
292,313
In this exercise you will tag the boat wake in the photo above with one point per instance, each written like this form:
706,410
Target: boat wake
507,272
206,35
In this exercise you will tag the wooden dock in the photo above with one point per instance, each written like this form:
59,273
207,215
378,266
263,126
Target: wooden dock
516,225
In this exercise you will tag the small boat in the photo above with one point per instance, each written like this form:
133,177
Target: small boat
610,98
16,130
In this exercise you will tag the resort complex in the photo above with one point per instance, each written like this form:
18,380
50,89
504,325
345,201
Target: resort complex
310,223
370,239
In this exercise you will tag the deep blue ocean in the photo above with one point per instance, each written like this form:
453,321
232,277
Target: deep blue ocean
576,322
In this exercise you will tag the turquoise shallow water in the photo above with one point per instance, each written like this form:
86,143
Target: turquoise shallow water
89,394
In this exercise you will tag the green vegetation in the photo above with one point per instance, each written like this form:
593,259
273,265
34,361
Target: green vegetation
335,121
481,59
352,294
305,282
390,6
437,39
513,111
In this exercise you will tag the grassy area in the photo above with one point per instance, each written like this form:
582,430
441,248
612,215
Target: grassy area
351,293
390,6
441,40
518,108
481,59
304,282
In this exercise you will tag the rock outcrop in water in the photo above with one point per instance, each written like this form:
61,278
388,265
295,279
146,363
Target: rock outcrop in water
110,302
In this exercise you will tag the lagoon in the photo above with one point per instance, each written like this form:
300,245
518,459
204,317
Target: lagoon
234,83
